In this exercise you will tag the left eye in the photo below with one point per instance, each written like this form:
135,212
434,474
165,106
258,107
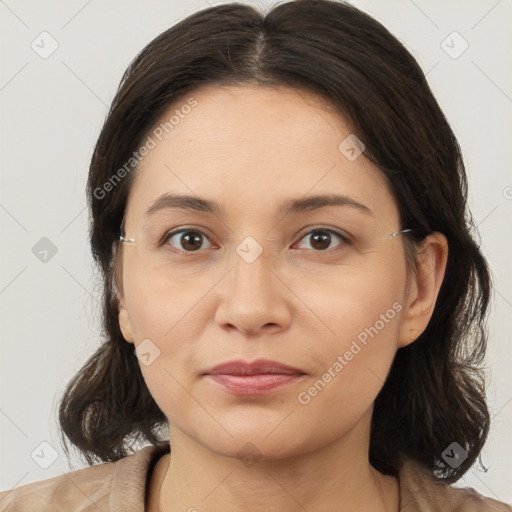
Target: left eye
323,237
191,240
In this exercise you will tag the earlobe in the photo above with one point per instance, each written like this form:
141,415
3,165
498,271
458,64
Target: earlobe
424,288
124,320
123,315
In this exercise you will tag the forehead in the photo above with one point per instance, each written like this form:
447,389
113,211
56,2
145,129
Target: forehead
254,146
258,123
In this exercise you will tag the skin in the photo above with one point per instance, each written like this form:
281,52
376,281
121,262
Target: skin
250,148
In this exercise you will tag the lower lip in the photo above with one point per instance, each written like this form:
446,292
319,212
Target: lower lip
255,384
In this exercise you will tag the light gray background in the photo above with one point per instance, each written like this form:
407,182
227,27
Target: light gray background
52,112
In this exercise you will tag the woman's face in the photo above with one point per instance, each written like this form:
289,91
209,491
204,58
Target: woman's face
248,282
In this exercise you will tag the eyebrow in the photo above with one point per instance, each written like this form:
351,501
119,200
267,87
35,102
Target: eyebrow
288,207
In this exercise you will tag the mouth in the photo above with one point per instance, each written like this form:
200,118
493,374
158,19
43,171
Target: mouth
257,378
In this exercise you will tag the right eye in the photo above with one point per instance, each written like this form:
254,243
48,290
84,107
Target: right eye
185,240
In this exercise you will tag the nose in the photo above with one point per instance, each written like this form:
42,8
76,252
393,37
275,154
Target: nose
254,297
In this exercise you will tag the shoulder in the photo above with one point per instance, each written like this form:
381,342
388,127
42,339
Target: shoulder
420,492
64,492
94,488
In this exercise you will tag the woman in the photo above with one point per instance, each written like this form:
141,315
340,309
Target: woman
290,283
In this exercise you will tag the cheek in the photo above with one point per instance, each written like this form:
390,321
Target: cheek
164,324
164,327
360,316
348,302
355,366
158,306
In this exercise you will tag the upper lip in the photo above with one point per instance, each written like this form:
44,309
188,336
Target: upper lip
258,367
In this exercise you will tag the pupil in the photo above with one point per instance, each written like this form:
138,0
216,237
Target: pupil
190,239
324,238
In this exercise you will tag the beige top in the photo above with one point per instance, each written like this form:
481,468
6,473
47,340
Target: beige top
122,487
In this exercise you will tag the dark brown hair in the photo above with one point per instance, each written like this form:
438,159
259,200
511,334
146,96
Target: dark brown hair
434,394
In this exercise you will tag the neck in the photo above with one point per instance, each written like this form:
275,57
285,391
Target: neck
335,478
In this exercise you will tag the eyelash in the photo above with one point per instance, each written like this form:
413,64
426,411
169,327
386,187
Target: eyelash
170,234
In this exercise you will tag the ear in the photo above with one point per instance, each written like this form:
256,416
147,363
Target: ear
423,288
124,317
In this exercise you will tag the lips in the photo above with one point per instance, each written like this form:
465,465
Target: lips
258,367
260,377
